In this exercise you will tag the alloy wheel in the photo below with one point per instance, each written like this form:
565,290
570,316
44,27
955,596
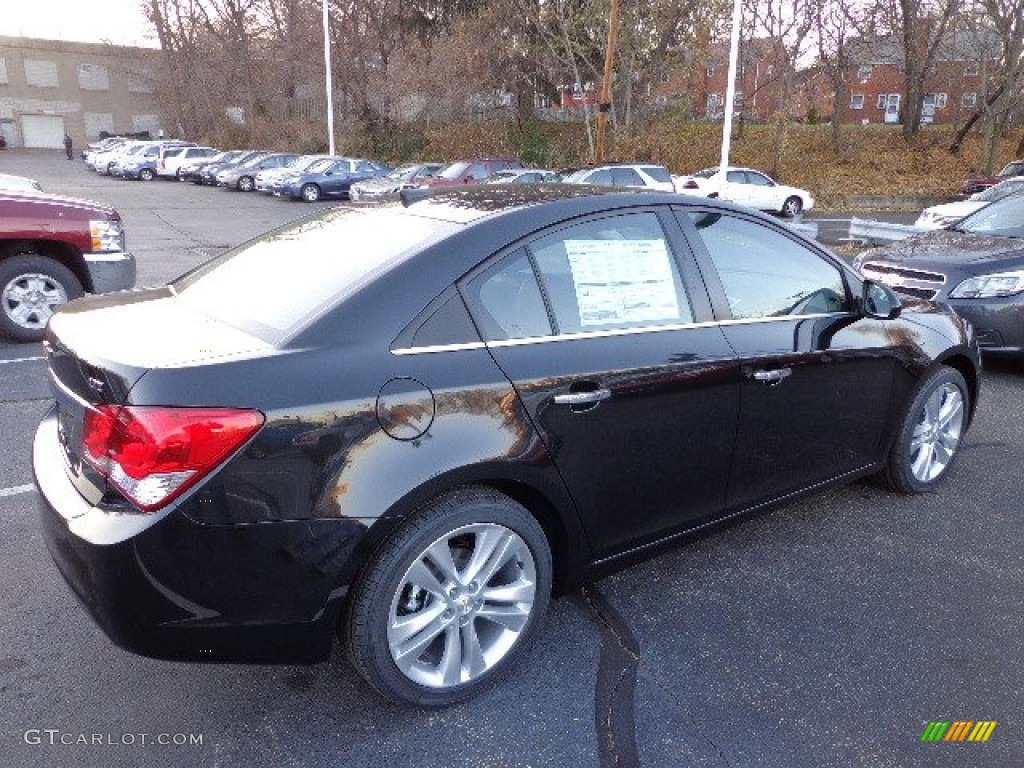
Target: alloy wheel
462,605
936,435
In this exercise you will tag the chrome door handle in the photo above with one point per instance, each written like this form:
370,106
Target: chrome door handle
772,377
583,398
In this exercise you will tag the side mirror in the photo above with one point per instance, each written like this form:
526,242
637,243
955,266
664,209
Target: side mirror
879,301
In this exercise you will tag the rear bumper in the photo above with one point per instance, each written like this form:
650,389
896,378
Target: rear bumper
108,272
166,586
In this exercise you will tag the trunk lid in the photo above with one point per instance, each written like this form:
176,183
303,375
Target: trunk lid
98,348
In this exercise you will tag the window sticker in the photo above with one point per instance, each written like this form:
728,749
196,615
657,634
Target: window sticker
622,281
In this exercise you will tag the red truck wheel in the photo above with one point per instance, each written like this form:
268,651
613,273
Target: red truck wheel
32,287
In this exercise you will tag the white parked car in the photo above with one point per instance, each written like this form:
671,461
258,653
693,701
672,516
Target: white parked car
20,183
173,156
939,216
644,175
748,187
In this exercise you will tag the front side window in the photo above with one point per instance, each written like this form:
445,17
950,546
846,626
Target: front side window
766,274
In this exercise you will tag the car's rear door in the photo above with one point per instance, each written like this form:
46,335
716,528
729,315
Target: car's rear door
604,334
816,376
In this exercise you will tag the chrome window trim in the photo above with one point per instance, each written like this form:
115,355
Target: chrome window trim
610,333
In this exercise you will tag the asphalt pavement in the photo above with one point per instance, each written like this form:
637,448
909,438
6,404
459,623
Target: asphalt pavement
829,632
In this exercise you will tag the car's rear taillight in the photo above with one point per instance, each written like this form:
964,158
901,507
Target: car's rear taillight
154,454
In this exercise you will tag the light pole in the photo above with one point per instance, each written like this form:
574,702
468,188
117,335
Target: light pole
604,106
730,91
327,70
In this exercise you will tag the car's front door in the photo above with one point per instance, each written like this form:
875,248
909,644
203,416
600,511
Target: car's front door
762,192
634,398
735,188
816,375
335,179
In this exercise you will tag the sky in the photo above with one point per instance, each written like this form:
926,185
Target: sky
87,21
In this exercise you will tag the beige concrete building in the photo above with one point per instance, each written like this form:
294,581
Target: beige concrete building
49,88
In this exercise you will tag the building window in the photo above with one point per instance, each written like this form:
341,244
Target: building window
972,69
664,77
93,77
969,100
41,74
96,123
857,101
880,103
737,99
864,72
940,100
140,82
710,71
715,100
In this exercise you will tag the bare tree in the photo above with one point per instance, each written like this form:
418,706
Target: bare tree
996,29
787,24
922,27
835,21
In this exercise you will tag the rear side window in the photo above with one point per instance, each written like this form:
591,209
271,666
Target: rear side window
507,301
658,173
611,273
626,177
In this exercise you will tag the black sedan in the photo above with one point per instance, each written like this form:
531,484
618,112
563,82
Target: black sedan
469,403
976,266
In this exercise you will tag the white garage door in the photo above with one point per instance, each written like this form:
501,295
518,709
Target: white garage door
43,131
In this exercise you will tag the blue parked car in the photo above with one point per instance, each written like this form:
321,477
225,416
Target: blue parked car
328,178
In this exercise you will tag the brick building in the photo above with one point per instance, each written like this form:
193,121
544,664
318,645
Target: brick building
959,83
698,79
49,88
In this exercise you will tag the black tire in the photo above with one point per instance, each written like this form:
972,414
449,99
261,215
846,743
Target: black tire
931,433
31,287
792,206
147,174
456,611
246,184
310,193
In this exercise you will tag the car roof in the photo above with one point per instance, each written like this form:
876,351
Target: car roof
470,204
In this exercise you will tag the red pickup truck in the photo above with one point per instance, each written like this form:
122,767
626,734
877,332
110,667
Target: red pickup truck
54,249
973,186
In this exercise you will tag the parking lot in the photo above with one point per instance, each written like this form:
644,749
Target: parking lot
827,633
